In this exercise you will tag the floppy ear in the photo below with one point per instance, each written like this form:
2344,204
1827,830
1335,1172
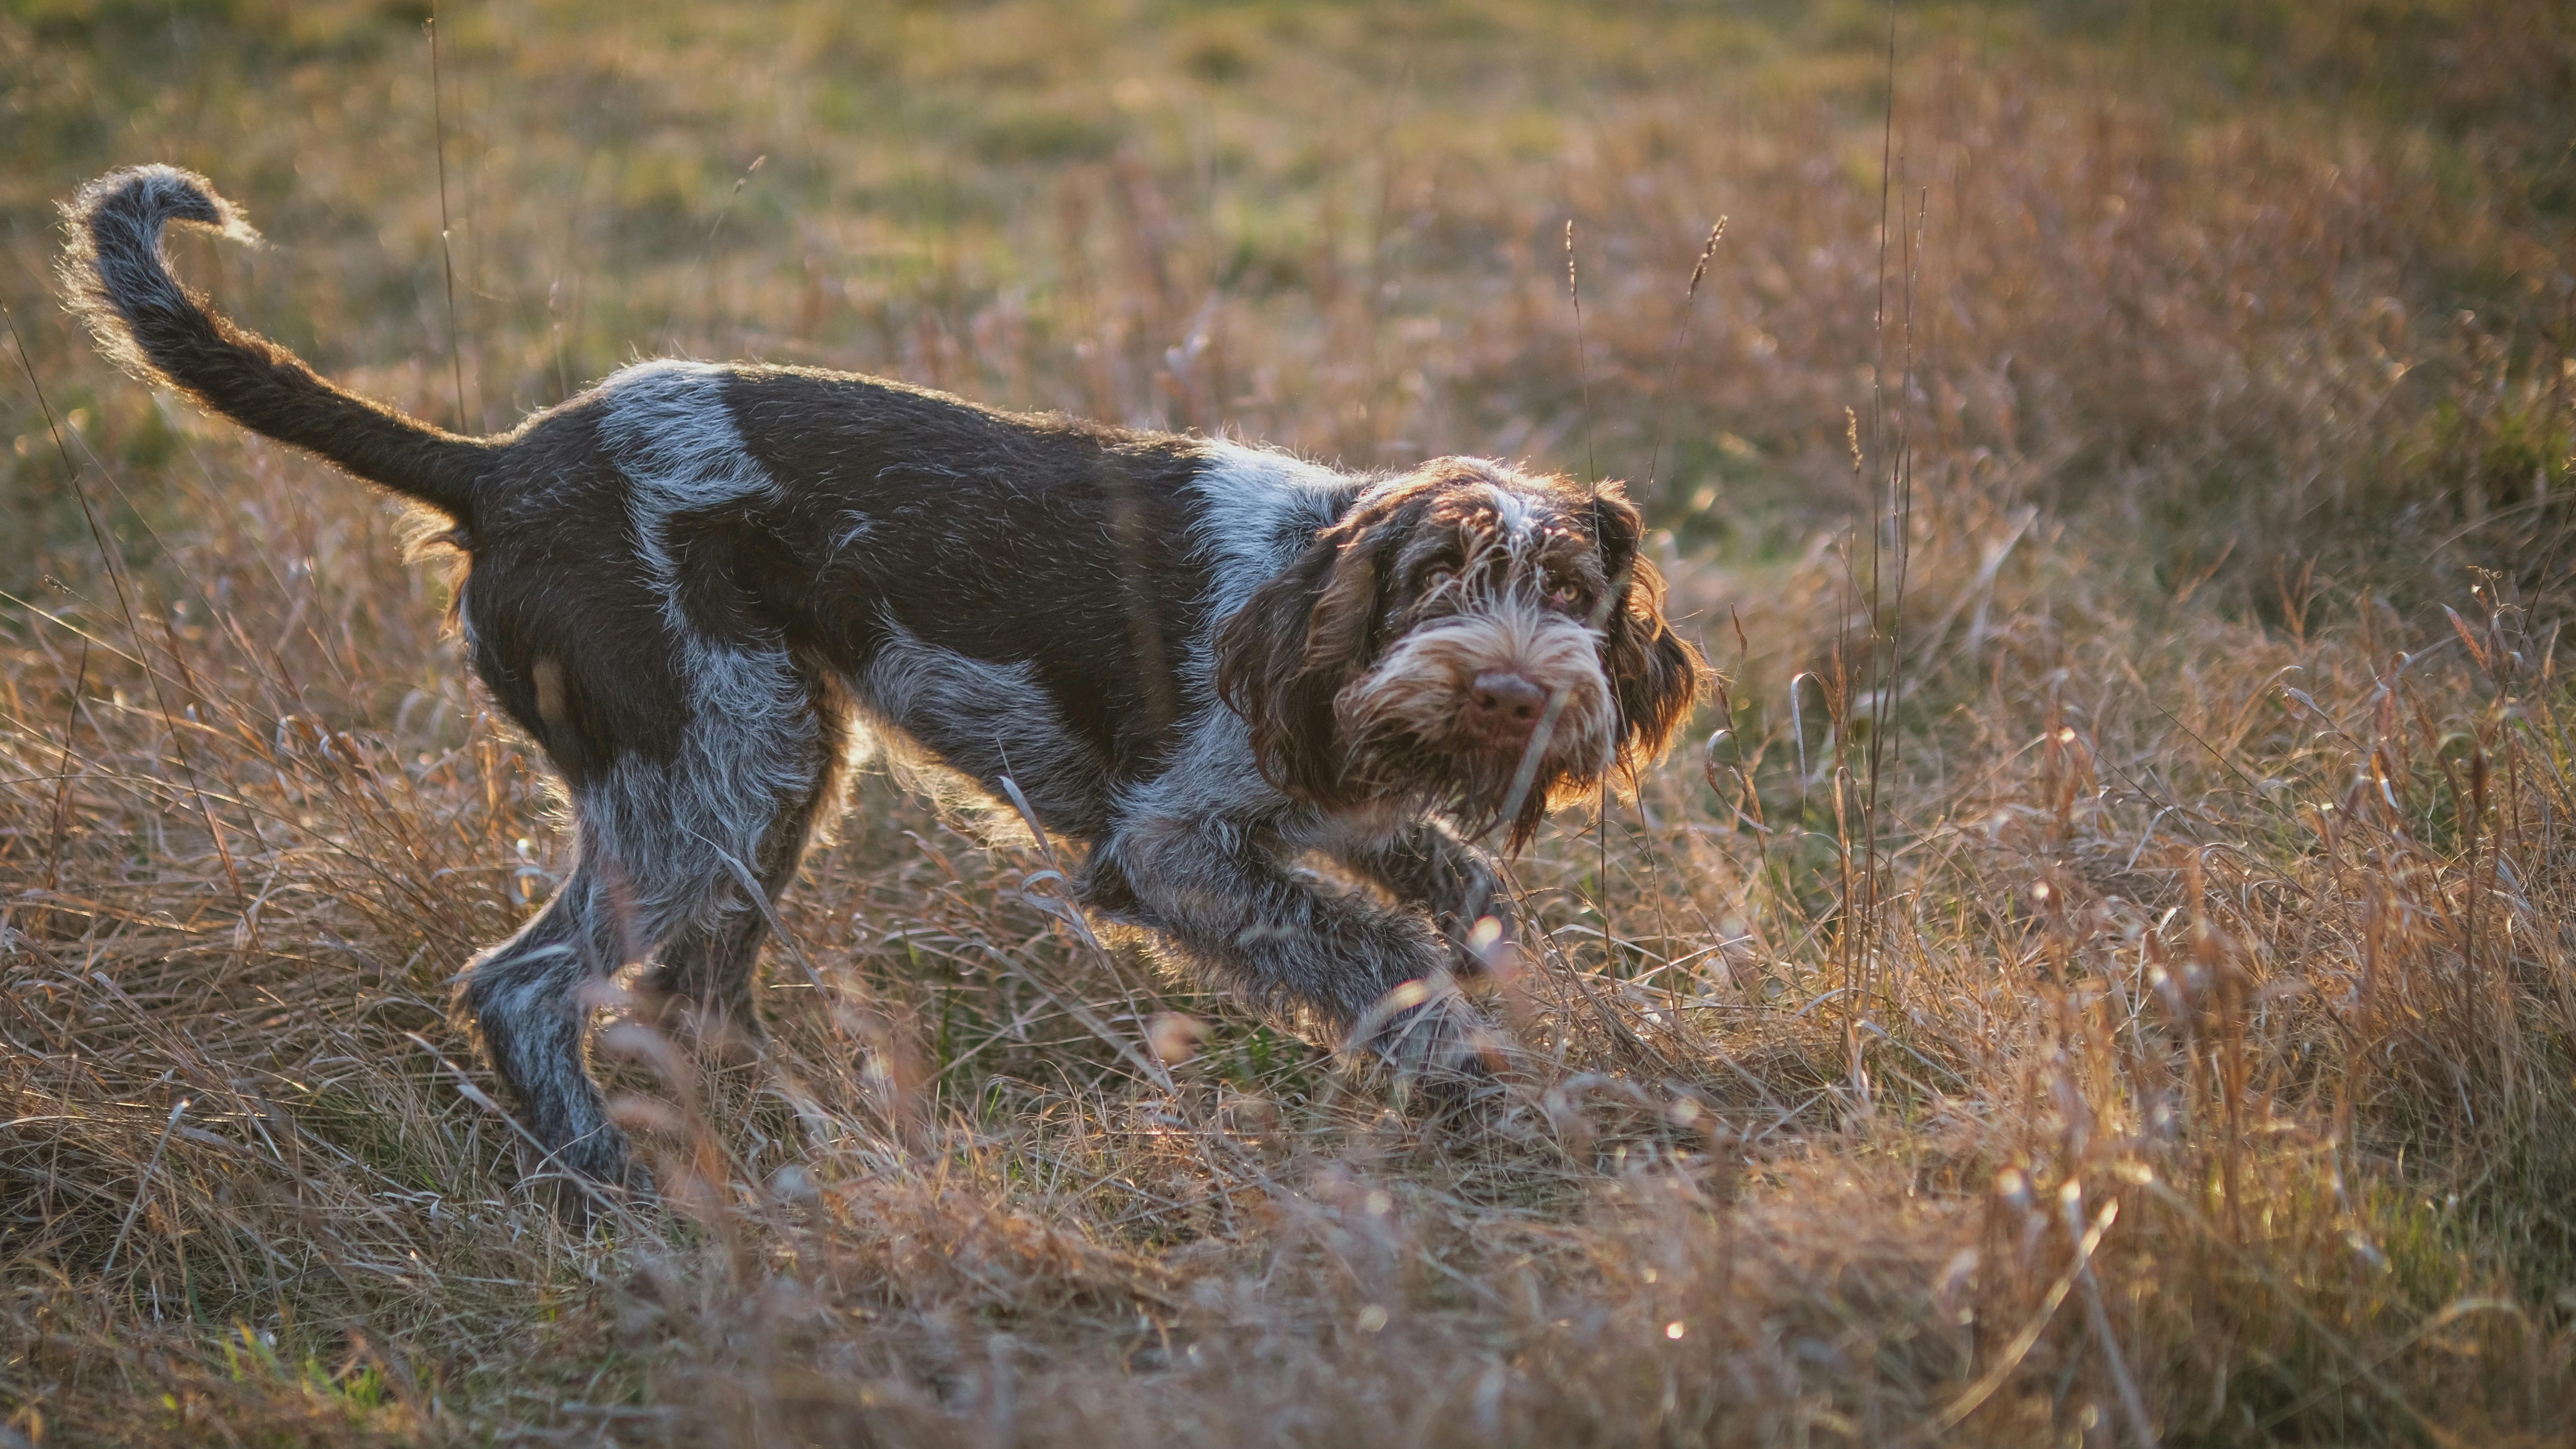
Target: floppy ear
1294,645
1655,675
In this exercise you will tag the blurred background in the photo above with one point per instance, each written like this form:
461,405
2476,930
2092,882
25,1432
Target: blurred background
2117,454
2168,256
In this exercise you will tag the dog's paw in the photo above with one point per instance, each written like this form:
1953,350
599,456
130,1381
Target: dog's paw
1484,948
726,1032
1439,1050
589,1178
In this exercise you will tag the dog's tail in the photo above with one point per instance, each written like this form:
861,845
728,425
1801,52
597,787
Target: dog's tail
117,279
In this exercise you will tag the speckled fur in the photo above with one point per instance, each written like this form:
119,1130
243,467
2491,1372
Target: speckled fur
697,587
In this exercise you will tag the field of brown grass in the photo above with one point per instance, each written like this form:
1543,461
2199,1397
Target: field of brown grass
2102,972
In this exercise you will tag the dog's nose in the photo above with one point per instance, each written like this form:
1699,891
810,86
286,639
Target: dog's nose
1505,706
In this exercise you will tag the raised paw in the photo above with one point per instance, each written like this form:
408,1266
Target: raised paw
1438,1048
1487,946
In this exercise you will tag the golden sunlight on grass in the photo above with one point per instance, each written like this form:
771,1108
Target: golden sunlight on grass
2102,972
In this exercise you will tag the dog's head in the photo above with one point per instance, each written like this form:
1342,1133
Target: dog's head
1482,640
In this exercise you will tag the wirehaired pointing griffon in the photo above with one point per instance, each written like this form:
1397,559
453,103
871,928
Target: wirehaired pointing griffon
698,587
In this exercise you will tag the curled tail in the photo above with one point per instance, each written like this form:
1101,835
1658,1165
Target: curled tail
119,282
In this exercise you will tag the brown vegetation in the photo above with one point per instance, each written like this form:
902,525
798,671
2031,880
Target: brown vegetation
2109,977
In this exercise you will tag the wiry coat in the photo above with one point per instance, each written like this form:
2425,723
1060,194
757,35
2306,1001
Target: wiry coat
693,585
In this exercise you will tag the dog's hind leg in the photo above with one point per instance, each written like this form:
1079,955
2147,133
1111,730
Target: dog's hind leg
766,771
528,997
708,964
664,835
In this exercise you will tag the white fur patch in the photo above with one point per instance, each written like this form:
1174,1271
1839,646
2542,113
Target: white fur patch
1213,779
1258,511
669,428
978,715
1519,523
753,743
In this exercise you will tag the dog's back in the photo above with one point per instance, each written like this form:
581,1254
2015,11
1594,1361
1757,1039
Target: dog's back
688,535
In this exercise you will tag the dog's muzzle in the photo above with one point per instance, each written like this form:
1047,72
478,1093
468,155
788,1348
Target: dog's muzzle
1486,688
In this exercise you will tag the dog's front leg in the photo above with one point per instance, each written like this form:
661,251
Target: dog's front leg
1218,896
1423,863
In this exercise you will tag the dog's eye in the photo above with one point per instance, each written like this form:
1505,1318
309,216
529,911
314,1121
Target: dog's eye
1436,580
1565,593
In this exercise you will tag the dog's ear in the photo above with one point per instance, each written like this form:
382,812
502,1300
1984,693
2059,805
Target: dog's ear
1655,674
1304,635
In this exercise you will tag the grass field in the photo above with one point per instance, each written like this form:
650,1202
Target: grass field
2101,972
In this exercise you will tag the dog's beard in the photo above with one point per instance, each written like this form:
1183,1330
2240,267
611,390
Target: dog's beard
1404,721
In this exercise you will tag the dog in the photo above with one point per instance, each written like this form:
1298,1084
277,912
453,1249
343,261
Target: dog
698,589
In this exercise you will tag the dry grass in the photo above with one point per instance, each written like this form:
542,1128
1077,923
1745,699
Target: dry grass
2128,998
